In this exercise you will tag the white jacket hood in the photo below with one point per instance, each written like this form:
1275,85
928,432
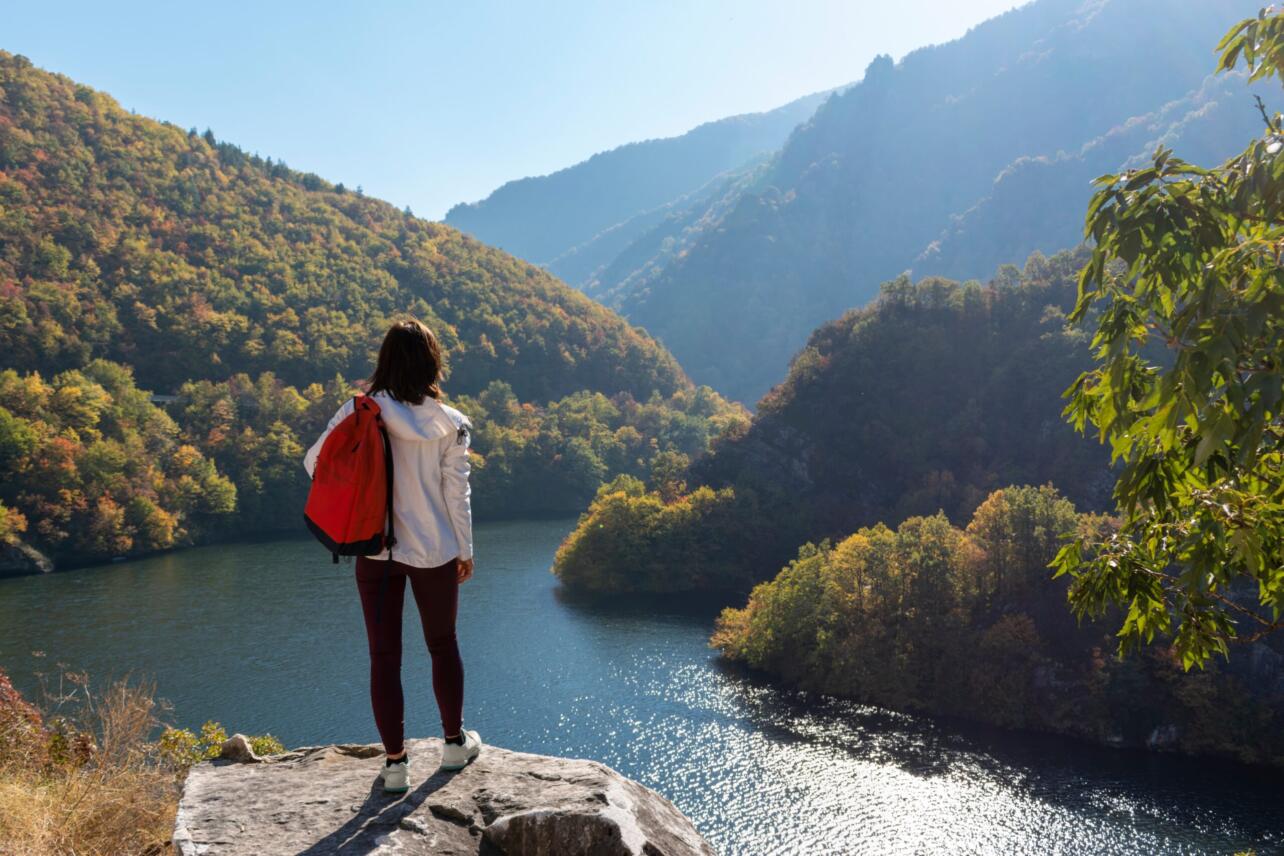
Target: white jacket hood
431,420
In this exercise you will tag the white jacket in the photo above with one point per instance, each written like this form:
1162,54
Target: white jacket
431,512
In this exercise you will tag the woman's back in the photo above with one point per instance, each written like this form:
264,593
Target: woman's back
430,501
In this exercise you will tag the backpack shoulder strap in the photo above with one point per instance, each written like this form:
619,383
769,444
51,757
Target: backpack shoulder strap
388,470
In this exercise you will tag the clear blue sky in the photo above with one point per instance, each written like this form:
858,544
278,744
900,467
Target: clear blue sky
431,103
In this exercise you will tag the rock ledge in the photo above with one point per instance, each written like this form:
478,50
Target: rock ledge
329,800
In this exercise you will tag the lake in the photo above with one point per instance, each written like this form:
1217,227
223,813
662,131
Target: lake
267,637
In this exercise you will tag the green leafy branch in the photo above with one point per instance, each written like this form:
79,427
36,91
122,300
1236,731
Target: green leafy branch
1186,291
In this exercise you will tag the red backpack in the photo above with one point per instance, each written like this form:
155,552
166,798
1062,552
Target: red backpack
349,506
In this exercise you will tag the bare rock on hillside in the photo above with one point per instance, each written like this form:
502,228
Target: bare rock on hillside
18,558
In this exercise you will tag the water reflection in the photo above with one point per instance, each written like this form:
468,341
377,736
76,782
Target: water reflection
267,637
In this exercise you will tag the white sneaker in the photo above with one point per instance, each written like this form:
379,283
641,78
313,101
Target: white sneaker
396,777
458,757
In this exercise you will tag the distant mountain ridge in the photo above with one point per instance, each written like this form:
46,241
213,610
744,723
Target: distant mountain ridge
552,220
658,237
860,191
957,159
1037,203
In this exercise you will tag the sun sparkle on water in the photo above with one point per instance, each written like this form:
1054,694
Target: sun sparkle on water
267,637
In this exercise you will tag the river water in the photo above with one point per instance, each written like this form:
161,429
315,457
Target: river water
267,637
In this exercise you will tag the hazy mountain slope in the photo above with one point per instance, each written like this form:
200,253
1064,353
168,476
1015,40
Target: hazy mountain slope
542,218
131,239
1038,203
660,240
875,177
600,264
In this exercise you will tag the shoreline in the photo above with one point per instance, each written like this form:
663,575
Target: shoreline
978,728
58,566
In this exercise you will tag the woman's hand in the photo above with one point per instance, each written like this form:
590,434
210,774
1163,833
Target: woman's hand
464,570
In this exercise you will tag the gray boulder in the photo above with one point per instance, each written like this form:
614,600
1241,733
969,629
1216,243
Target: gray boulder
329,800
237,748
18,558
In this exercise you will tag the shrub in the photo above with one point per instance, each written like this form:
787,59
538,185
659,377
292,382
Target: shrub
81,774
93,786
182,748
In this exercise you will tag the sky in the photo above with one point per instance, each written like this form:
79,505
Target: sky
427,104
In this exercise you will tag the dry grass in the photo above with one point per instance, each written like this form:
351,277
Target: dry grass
83,778
103,811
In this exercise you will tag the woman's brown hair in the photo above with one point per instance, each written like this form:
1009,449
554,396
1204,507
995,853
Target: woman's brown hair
409,366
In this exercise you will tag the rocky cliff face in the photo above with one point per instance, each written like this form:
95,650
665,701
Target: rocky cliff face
329,800
20,558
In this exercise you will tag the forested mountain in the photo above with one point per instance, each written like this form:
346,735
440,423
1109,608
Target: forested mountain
860,192
865,474
893,508
964,621
138,256
134,240
930,398
576,219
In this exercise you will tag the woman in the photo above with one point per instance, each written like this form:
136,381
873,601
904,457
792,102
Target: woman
433,549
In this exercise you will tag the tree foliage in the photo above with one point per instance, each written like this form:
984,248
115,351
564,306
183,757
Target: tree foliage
551,459
631,540
101,471
965,622
89,467
257,295
928,400
187,258
1190,258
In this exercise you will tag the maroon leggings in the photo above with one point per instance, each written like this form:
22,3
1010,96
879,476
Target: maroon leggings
436,593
